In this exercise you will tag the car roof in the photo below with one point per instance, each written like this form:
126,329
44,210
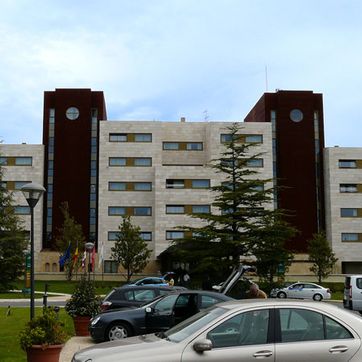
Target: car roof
148,286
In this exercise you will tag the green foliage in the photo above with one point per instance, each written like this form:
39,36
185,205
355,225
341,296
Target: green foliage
269,236
239,202
84,301
43,330
71,232
13,240
321,255
130,250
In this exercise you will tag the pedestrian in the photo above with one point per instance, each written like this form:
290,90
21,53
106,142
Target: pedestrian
171,281
255,292
186,279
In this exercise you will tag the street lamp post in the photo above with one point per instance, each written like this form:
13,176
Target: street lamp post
32,193
89,247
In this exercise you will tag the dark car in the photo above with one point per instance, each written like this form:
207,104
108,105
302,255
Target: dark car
156,316
135,296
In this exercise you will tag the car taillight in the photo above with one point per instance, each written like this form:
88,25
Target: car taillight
106,305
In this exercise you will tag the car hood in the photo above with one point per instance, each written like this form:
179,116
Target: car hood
139,348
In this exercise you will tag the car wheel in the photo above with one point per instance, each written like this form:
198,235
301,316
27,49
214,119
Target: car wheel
281,295
317,297
118,330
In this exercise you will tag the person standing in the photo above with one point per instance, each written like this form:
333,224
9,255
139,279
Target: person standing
255,292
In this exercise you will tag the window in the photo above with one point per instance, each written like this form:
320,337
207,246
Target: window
143,186
175,209
116,211
116,186
255,162
23,161
201,209
19,184
226,138
254,138
110,266
112,235
3,161
175,184
194,146
200,184
347,164
348,188
146,235
171,146
350,237
22,210
171,235
143,137
349,212
117,161
244,329
117,137
145,161
142,211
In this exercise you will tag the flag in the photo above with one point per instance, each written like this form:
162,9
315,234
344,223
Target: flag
84,258
101,256
63,258
93,258
75,256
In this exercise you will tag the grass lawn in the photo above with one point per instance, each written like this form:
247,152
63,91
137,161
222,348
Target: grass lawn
11,325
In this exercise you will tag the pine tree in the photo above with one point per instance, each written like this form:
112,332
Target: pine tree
70,233
321,255
13,239
240,200
130,250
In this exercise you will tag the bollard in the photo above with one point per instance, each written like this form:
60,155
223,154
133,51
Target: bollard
45,296
56,310
8,311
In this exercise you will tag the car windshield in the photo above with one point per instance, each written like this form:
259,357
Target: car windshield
195,323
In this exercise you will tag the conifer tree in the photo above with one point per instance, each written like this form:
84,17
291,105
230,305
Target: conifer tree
130,250
13,239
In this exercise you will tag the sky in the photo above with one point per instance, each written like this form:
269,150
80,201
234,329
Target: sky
166,59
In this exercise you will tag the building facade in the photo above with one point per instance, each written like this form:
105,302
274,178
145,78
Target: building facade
157,173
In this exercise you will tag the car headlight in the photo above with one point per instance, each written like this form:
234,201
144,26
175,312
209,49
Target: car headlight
95,321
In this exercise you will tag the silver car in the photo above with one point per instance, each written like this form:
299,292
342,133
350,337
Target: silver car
302,290
266,329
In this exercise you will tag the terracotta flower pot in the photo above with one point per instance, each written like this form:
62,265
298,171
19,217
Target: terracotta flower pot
81,325
39,353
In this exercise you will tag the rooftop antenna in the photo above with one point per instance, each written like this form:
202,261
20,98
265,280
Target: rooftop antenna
206,115
266,78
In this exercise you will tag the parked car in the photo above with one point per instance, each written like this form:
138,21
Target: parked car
302,291
149,281
352,296
159,315
134,296
261,329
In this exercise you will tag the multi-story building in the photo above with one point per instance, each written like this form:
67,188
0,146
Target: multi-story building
157,171
343,175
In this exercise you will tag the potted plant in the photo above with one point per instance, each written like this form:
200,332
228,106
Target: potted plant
43,337
83,305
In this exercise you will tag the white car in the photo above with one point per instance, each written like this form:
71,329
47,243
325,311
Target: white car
302,290
269,330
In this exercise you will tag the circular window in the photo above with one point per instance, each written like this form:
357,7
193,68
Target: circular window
72,113
296,115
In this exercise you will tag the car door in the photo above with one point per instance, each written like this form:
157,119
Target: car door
161,317
305,335
246,337
295,290
309,290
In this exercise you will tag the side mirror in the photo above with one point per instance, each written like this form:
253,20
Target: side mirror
202,345
148,310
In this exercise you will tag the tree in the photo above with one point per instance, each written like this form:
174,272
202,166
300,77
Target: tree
272,257
13,239
240,200
70,233
321,255
130,250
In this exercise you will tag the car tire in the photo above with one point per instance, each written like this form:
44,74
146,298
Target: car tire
281,295
117,331
318,297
